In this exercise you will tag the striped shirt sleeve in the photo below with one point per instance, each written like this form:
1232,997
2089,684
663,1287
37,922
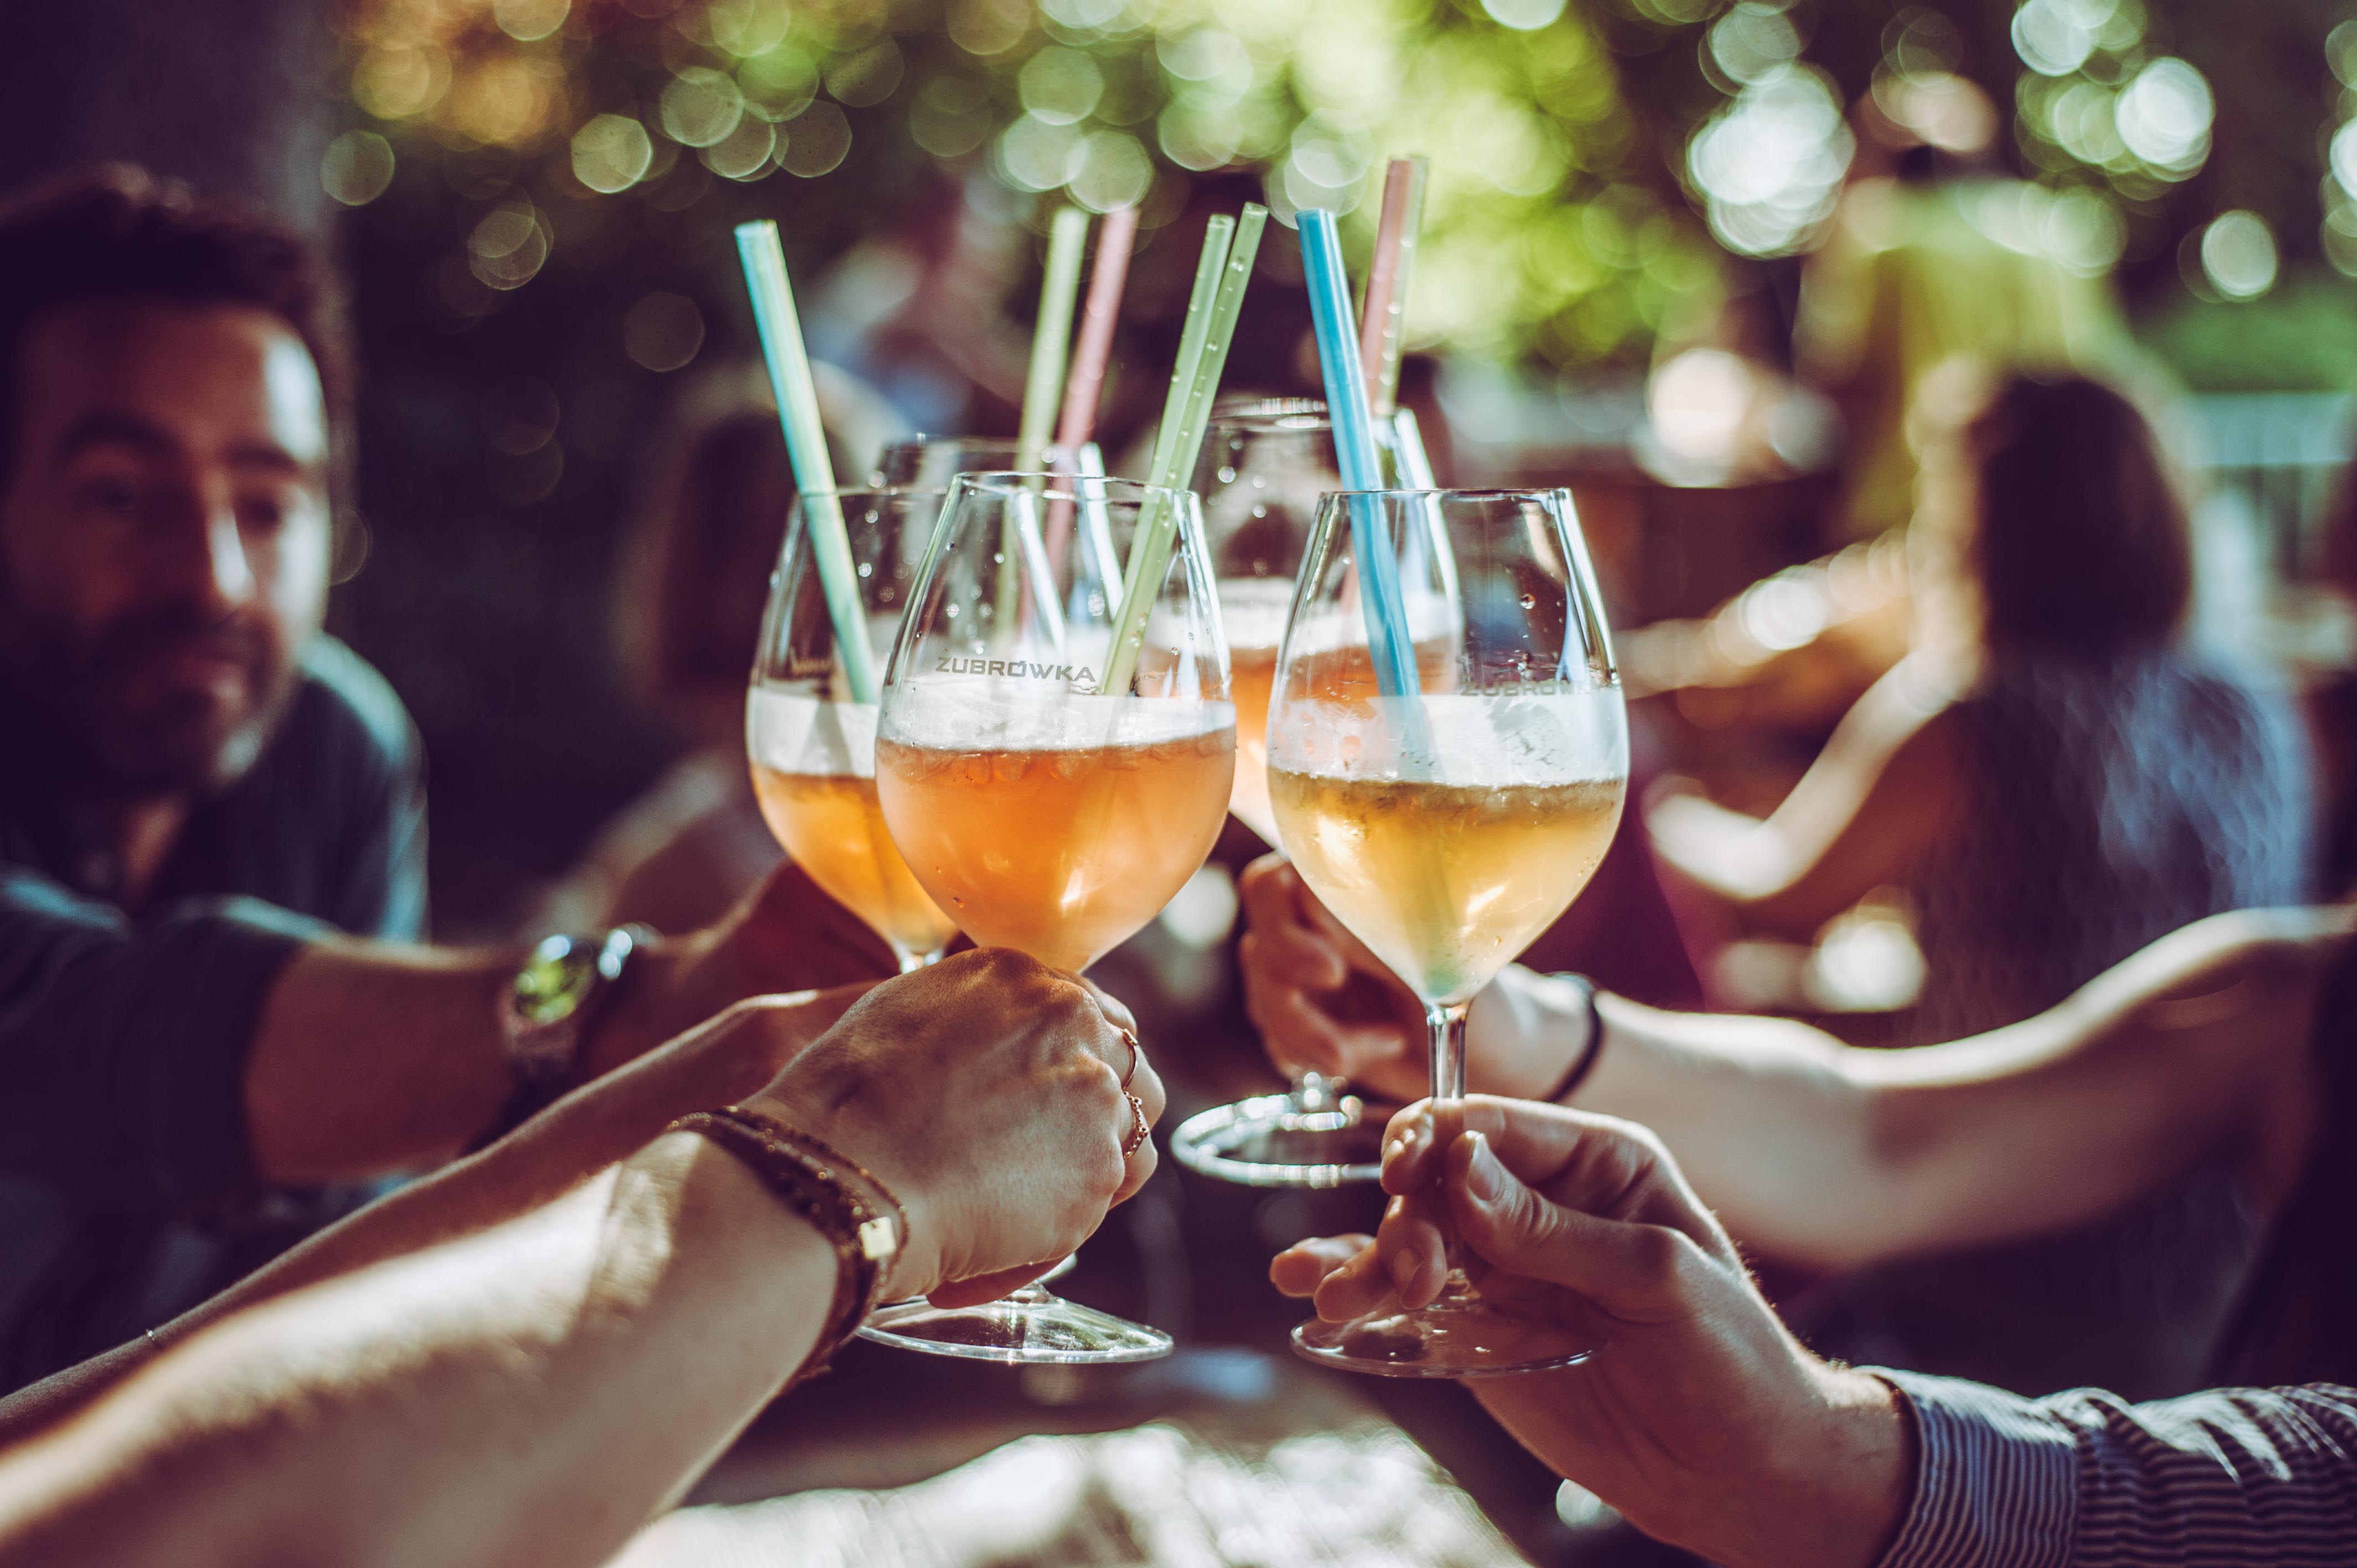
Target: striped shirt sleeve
2087,1480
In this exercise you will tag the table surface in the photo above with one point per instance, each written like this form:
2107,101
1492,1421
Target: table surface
1258,1464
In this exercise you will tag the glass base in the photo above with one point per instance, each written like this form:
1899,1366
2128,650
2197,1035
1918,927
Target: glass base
1460,1334
1031,1326
1278,1140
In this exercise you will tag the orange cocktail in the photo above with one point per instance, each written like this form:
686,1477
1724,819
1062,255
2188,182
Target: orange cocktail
1062,853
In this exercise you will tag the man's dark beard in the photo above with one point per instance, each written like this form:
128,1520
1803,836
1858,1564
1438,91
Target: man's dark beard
67,700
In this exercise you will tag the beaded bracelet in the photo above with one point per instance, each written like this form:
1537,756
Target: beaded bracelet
810,1175
1585,1062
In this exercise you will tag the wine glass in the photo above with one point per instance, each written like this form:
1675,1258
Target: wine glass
1265,464
1447,766
1049,799
811,745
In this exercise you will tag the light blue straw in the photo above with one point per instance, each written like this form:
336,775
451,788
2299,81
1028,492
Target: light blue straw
1388,639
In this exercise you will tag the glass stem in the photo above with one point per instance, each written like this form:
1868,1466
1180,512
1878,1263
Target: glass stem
1445,1022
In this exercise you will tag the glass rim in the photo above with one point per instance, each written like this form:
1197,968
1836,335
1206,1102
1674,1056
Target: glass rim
1112,480
1489,492
876,492
1271,415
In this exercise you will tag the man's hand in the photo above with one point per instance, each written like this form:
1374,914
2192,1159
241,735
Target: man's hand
1323,1002
987,1093
1699,1418
785,936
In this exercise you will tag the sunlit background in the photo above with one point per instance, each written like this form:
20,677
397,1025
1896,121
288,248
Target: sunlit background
532,200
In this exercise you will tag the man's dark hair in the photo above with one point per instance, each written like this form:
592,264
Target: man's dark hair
118,234
2081,540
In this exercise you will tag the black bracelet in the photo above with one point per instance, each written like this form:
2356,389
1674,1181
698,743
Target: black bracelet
1585,1062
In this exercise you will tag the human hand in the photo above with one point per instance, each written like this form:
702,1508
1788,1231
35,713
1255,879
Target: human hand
787,935
985,1092
1322,1001
1700,1417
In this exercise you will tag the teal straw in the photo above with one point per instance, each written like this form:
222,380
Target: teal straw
781,331
1388,638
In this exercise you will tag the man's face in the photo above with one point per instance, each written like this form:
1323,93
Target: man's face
163,539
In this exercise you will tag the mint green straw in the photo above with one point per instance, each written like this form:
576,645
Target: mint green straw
1051,339
1221,276
790,378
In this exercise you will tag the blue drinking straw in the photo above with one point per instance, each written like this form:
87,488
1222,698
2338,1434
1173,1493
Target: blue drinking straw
1388,640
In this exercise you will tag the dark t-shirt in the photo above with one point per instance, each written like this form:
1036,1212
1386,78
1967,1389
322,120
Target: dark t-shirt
127,1190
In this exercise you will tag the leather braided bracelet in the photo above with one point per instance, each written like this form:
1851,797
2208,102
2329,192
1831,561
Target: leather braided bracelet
1585,1062
823,1186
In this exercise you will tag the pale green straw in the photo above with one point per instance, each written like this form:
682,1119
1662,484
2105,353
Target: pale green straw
1051,341
1193,385
790,378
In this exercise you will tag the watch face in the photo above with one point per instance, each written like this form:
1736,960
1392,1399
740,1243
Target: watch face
554,981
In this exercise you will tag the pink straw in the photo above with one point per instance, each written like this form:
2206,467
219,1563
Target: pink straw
1379,321
1079,418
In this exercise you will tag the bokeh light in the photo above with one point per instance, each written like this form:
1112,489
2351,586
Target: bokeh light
663,331
2238,254
1769,165
357,168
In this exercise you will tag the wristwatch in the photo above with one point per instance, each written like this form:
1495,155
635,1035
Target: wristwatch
552,1001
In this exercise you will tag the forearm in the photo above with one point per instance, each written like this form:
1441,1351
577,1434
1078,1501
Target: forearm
722,1061
535,1393
1768,1118
1823,1153
372,1056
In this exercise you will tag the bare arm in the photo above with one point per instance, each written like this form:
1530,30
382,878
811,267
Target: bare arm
2195,1048
533,1391
1870,803
372,1056
717,1063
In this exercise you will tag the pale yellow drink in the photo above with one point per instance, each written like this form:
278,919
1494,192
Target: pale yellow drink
814,766
1447,832
1446,883
1060,854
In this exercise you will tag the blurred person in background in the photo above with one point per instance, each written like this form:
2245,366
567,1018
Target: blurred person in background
1706,1424
1933,260
207,802
1934,256
2050,780
526,1356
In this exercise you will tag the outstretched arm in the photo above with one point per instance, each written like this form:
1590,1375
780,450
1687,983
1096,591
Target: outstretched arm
1705,1423
534,1391
2194,1048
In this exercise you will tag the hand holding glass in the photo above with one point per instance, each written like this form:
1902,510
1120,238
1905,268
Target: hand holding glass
1039,812
1446,827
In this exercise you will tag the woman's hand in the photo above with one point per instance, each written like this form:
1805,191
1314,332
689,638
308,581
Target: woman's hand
987,1093
1322,1002
1699,1417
